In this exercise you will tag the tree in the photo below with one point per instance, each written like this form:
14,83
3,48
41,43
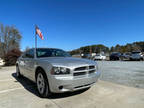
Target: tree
112,49
11,57
93,49
10,38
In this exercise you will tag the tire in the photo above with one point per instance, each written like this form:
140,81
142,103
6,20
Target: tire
131,59
110,59
95,60
119,59
42,84
18,74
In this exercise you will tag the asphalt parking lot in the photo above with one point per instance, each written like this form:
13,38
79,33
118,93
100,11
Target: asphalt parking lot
121,86
129,73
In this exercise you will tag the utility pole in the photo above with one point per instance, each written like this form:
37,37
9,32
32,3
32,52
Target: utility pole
90,50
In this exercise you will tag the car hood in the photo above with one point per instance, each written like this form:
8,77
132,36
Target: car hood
68,61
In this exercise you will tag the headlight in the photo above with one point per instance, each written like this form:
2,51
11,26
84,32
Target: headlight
60,71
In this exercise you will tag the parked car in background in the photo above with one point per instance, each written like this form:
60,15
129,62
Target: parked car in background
88,56
1,62
54,70
126,56
137,55
99,57
116,56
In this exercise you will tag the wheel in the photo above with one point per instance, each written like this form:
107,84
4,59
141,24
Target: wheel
118,58
110,59
18,72
42,84
131,59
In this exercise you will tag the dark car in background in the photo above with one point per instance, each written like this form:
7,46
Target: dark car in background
115,56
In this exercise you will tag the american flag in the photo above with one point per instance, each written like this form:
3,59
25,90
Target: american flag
39,32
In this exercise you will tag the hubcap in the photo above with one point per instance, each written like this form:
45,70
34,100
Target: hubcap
40,83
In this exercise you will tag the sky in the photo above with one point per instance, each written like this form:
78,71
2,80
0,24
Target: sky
70,24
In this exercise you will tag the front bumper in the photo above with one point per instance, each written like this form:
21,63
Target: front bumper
59,84
136,58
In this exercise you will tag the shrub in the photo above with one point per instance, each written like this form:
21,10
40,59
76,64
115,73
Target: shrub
11,57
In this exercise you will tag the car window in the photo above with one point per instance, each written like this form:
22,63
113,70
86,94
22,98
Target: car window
115,54
97,54
127,53
103,54
28,54
51,53
23,55
135,52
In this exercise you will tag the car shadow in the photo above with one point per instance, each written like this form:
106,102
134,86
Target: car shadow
31,87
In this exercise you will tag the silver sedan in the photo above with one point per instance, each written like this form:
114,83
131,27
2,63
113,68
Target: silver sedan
54,70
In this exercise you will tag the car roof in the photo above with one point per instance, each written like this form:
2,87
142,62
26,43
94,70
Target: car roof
44,48
115,52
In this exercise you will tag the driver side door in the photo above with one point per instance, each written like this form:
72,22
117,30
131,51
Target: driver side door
29,64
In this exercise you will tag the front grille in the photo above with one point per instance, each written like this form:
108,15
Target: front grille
80,68
92,71
79,73
84,70
91,67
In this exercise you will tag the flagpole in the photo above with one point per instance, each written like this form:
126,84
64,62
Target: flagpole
35,41
37,32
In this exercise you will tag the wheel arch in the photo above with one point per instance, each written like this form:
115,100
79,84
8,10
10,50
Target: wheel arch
36,71
46,77
16,64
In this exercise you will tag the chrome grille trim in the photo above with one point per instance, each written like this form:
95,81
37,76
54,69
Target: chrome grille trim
80,68
92,67
92,71
84,70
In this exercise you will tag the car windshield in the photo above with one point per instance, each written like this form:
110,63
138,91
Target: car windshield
45,52
115,53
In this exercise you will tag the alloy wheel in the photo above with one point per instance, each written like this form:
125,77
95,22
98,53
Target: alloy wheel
40,83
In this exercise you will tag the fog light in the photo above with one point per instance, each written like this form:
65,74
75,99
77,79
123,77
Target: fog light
60,87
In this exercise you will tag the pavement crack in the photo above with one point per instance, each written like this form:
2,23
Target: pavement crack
56,104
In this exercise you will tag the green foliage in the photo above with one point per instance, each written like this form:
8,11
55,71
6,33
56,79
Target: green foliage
92,48
136,46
